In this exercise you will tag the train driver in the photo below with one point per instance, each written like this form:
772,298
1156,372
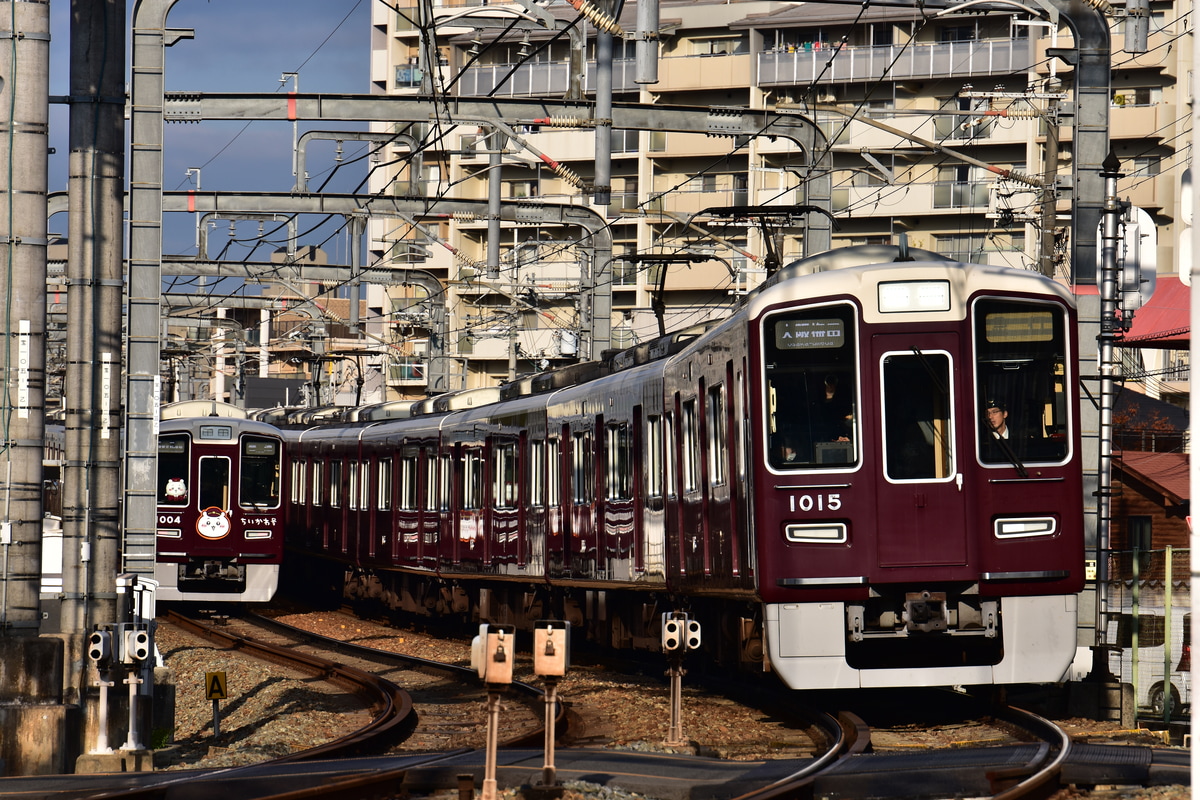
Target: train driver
996,415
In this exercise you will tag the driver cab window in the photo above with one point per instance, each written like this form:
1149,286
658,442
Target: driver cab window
812,388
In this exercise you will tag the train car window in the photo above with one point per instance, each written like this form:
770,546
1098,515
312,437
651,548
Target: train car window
472,479
718,435
691,446
364,485
174,454
582,470
260,468
445,476
669,454
298,475
654,457
504,476
620,462
214,482
383,493
1021,376
335,484
431,482
408,483
811,370
354,470
537,474
553,473
318,487
917,424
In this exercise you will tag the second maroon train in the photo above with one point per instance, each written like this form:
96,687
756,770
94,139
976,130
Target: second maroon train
867,475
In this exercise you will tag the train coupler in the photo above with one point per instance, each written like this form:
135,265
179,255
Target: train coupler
925,611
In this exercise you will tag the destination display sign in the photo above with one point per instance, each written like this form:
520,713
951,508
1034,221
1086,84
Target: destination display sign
803,334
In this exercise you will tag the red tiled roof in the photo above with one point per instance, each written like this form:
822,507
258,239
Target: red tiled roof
1165,321
1167,472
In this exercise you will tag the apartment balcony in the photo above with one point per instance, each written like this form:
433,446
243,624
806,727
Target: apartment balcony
1148,123
538,79
951,130
687,202
704,72
407,372
942,198
1157,193
806,66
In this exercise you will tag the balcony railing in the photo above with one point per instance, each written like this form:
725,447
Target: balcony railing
893,62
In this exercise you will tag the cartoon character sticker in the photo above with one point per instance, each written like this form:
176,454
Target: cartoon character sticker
213,523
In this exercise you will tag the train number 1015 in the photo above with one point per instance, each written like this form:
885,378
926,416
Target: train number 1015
816,502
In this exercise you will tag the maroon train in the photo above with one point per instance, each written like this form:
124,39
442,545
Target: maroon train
814,479
220,511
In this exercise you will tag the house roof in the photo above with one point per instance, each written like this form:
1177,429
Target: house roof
1165,321
1167,473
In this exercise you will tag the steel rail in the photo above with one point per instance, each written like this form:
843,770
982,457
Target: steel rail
531,692
1045,770
848,735
390,705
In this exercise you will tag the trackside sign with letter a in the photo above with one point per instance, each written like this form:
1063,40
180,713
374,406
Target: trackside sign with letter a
215,686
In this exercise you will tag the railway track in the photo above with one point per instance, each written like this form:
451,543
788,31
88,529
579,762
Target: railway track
437,706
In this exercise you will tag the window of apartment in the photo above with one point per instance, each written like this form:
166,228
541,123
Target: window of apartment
524,188
974,247
1137,96
958,33
625,140
1143,166
882,35
658,141
960,186
718,46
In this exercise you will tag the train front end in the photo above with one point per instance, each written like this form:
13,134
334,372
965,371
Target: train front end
220,522
917,486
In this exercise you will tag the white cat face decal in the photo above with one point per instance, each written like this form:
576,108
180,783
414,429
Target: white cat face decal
213,523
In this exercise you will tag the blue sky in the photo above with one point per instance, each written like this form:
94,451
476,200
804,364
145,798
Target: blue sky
240,46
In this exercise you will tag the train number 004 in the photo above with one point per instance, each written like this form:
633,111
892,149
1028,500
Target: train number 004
170,519
816,502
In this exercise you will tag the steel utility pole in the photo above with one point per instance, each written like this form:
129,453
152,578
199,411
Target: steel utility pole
92,387
24,76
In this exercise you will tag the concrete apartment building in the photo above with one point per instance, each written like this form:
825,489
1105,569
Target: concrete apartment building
898,92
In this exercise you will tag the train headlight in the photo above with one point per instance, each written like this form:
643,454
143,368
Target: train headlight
258,534
1023,527
824,532
170,533
899,296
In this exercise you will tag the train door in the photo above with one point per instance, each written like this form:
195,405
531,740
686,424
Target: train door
617,529
405,520
581,544
503,527
921,495
557,516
